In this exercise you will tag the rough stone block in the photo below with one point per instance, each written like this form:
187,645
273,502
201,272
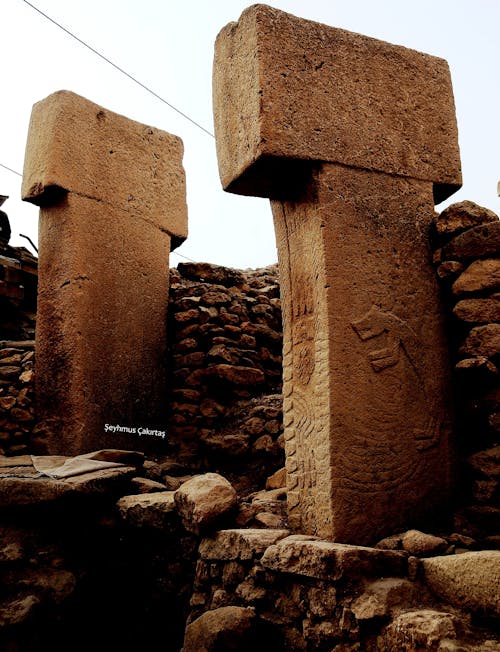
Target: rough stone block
480,276
301,555
239,544
480,241
460,217
204,500
287,90
154,510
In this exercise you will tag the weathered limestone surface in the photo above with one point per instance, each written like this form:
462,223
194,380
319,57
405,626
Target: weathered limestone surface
470,580
240,544
223,628
366,400
21,484
112,198
287,89
203,500
154,510
301,555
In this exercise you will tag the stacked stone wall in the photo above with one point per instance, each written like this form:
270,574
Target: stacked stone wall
225,339
17,409
467,257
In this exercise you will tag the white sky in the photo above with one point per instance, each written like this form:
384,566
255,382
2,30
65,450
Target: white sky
168,45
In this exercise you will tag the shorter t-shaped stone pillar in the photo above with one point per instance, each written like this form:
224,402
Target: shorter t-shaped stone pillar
350,137
112,199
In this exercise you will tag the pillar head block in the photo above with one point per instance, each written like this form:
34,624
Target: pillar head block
289,91
77,146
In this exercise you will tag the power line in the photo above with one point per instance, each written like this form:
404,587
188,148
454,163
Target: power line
10,170
124,72
175,253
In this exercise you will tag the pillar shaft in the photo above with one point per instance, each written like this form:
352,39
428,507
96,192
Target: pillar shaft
366,392
112,198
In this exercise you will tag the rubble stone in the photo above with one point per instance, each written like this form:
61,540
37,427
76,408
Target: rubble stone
204,500
461,216
470,580
480,276
154,510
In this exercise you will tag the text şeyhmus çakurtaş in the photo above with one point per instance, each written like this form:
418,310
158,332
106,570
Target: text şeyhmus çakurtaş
134,431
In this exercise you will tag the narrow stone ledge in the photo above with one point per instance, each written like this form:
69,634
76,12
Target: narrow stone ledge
239,544
305,556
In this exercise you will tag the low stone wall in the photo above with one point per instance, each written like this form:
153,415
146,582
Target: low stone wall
467,258
267,587
17,409
77,576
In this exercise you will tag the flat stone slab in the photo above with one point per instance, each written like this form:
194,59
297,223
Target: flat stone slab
239,544
310,557
77,146
284,88
21,484
470,580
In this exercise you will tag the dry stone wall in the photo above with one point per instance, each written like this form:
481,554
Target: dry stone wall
467,239
226,342
17,409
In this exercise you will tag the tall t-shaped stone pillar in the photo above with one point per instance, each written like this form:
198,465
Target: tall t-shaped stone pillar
352,139
112,203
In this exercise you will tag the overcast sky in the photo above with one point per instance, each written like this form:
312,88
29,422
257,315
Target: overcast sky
168,46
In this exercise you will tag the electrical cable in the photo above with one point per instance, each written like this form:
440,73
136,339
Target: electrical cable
10,170
124,72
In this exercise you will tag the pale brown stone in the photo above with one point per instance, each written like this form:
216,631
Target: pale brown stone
277,480
482,341
203,500
479,276
153,510
225,628
480,241
112,198
287,89
421,630
79,147
450,269
366,389
461,216
302,555
22,485
478,310
239,544
385,596
422,544
470,580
